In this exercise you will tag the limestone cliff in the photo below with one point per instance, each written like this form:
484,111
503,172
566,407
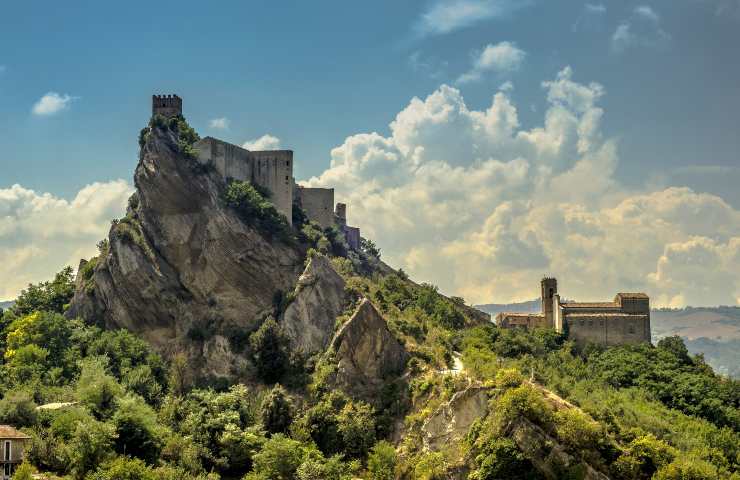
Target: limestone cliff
182,269
318,298
366,352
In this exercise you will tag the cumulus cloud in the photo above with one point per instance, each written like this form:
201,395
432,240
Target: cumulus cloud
219,123
471,201
445,16
500,58
643,29
41,233
51,103
265,142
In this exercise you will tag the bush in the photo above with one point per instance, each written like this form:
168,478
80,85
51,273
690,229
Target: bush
17,408
51,296
24,471
381,463
278,459
357,427
500,458
508,378
277,411
123,468
254,209
687,469
270,351
136,429
525,401
576,430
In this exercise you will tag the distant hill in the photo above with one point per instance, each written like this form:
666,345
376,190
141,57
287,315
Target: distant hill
4,305
713,331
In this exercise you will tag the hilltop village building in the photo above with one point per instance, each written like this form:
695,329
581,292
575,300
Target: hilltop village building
270,169
624,320
12,445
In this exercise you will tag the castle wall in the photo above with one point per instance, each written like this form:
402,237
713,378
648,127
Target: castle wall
273,169
166,105
352,235
318,203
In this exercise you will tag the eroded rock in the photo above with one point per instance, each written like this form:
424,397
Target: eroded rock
367,353
319,297
451,421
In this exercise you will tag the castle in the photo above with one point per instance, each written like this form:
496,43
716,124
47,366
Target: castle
270,169
625,320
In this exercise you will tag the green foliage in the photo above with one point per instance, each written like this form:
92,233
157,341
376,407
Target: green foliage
356,425
430,466
255,209
24,471
269,347
123,468
90,446
687,469
381,463
47,296
96,388
576,430
18,408
369,248
526,402
137,431
278,459
276,411
500,458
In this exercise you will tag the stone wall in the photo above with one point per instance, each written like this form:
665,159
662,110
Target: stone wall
272,170
608,329
166,105
318,203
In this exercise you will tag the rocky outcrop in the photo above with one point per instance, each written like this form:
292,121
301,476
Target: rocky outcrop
183,270
367,353
451,421
319,297
546,454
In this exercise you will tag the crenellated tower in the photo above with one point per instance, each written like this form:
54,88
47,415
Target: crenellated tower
166,105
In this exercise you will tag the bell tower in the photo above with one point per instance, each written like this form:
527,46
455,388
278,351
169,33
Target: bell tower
549,290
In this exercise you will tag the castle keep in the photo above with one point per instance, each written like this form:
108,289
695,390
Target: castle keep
624,320
270,169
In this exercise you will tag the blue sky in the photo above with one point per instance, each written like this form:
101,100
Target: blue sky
313,74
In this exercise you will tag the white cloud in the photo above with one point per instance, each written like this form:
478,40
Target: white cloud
445,16
471,201
52,103
647,13
595,8
500,58
219,123
41,233
643,29
265,142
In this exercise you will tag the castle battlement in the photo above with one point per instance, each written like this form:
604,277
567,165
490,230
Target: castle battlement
166,105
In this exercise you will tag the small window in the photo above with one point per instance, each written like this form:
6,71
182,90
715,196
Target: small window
287,163
632,328
7,450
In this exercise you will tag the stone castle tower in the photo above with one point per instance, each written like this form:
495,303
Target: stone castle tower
166,105
549,290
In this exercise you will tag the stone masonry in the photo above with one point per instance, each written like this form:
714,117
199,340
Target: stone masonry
624,320
270,169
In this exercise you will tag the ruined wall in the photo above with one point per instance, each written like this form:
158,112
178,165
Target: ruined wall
318,203
520,320
352,235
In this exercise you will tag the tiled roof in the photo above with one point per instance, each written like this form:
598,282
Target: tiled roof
519,314
6,431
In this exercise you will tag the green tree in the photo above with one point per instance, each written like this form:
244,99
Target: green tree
47,296
24,471
277,411
90,446
279,458
123,468
96,388
18,408
381,463
270,350
137,432
357,426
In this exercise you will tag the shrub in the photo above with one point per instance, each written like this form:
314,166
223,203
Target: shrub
381,463
270,350
430,466
576,430
136,429
277,411
23,472
254,209
687,469
18,408
508,378
357,427
500,458
525,401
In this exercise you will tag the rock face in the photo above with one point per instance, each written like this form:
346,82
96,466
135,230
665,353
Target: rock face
319,297
451,421
367,353
183,270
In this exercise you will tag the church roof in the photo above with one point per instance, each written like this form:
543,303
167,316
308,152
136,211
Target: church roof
8,432
632,295
589,305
